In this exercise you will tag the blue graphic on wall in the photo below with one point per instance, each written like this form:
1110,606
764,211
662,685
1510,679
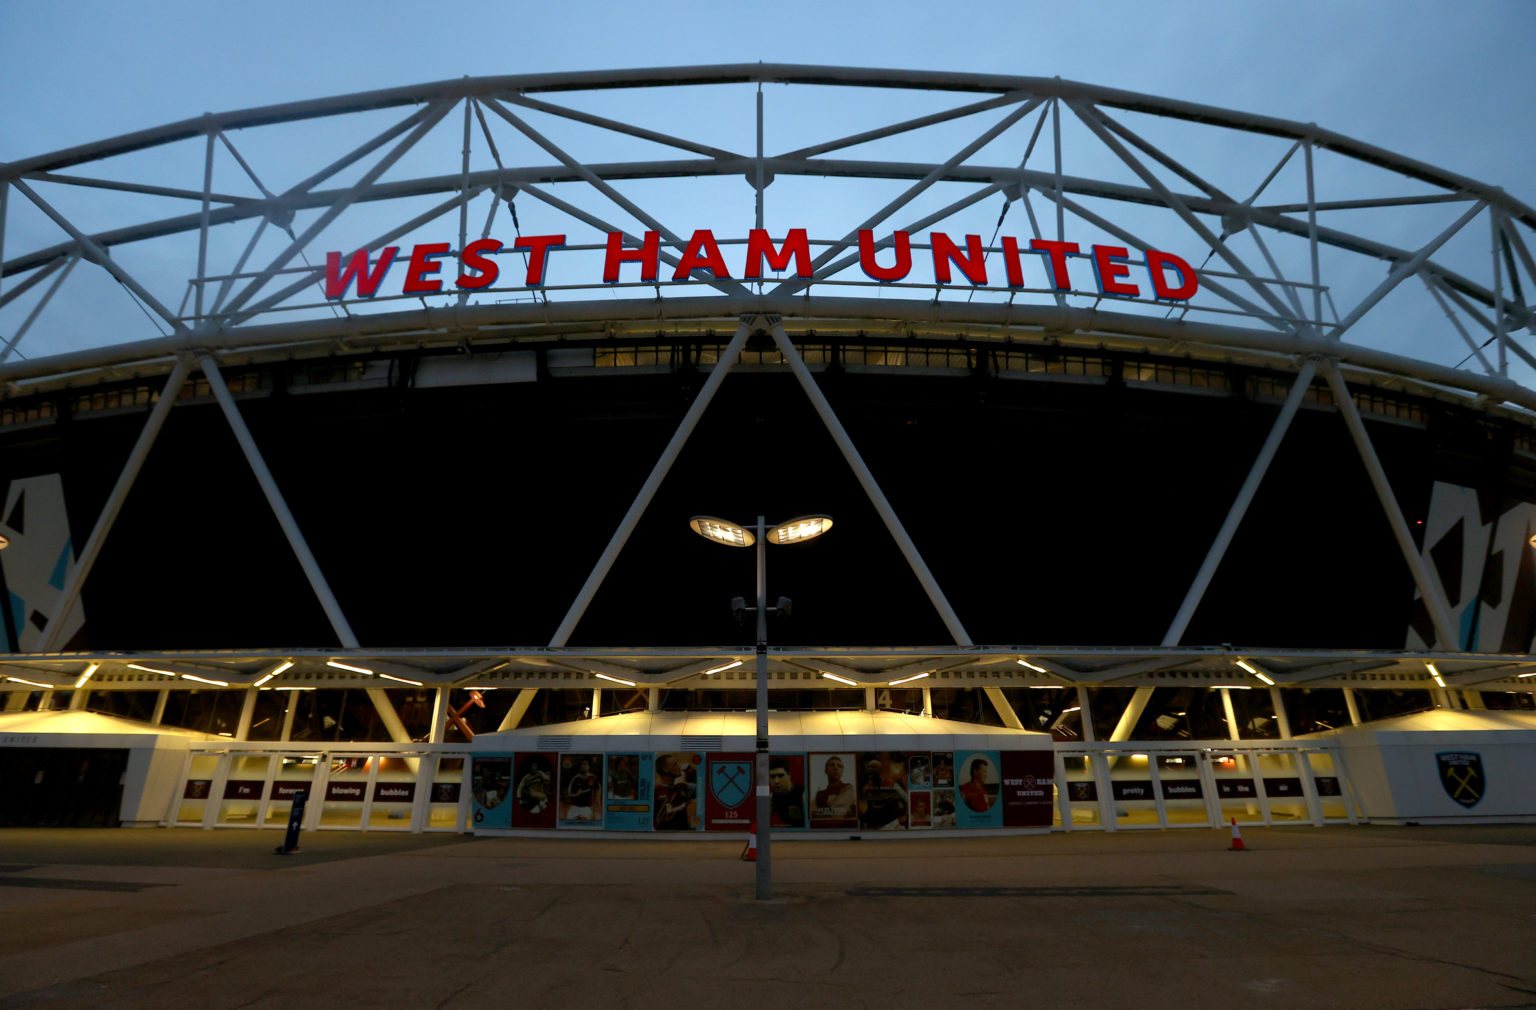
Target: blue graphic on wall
729,781
490,777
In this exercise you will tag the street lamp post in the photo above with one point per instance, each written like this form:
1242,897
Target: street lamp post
795,531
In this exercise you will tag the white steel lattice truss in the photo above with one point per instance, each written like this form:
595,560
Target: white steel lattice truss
1303,238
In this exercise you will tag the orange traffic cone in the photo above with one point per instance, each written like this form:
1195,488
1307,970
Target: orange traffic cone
749,854
1237,838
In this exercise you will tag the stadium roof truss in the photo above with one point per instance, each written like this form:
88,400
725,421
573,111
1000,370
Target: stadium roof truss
1302,215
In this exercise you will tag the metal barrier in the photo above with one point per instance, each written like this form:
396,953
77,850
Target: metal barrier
1196,784
351,786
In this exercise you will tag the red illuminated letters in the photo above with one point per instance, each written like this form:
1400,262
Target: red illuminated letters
1057,251
1109,271
973,264
1011,262
1173,279
875,271
337,280
473,260
424,262
648,256
538,247
702,253
1157,262
759,245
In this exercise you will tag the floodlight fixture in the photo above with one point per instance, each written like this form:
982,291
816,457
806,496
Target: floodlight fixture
722,531
800,530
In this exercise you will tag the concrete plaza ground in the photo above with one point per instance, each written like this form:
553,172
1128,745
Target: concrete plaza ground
1337,917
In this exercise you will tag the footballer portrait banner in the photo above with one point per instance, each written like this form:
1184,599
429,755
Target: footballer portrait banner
581,791
675,793
490,777
627,793
834,799
942,798
978,795
883,802
789,805
1028,792
728,794
533,791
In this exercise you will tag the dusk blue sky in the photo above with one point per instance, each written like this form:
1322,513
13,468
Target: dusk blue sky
1450,85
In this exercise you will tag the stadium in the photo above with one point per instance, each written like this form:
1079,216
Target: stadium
1157,465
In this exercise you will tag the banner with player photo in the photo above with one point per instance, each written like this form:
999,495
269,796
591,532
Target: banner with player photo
834,799
533,791
490,777
729,803
942,772
977,795
675,802
581,791
627,795
786,790
882,791
920,790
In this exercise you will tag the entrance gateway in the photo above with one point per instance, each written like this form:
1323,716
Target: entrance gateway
1003,376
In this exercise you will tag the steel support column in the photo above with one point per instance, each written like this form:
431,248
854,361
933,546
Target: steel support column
1424,576
1240,505
1131,715
279,507
247,709
70,594
518,710
387,714
1004,708
648,489
869,484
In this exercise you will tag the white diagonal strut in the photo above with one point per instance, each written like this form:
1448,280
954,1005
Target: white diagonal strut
1403,271
652,482
1424,576
87,559
279,507
1239,506
792,285
90,250
871,486
337,206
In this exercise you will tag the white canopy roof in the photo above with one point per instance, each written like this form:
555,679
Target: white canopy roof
788,731
88,729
